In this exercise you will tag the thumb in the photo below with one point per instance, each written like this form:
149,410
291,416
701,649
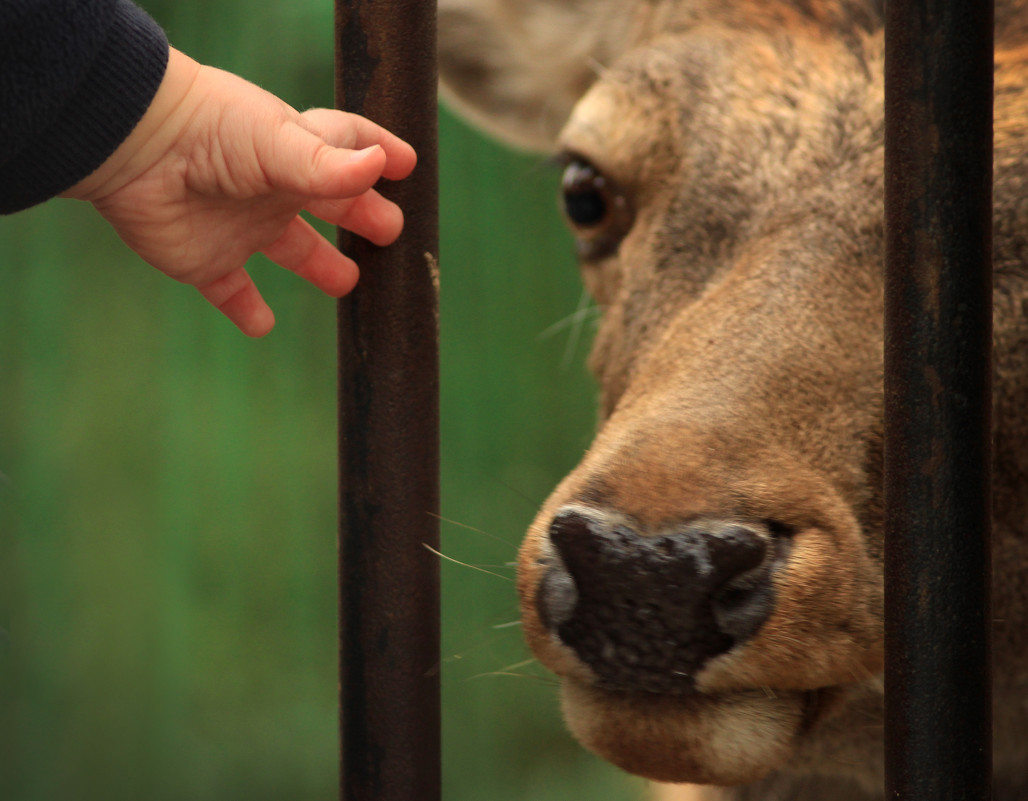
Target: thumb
302,163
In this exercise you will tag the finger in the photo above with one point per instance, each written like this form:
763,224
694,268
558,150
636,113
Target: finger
341,129
237,297
370,216
300,163
304,251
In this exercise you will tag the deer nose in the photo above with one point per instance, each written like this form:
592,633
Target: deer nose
645,612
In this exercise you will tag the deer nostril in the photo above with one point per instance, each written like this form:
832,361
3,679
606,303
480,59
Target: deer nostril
556,597
646,612
741,608
734,549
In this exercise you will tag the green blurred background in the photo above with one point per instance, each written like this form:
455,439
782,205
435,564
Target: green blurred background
168,498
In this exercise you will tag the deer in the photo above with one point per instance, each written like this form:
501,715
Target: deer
707,583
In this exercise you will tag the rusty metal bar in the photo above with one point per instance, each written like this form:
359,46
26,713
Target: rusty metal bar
388,427
938,167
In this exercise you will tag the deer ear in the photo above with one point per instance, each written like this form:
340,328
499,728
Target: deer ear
517,67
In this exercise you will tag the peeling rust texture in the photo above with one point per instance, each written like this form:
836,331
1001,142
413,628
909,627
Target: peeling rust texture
938,329
388,427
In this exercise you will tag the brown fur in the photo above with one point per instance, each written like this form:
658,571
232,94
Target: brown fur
740,353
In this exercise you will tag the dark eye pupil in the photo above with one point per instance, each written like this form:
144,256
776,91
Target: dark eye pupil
585,208
585,195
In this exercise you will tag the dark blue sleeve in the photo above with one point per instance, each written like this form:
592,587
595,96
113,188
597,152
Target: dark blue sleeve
75,78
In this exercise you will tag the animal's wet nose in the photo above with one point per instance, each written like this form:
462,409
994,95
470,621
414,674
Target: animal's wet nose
646,612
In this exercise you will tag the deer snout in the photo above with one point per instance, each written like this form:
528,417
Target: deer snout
645,611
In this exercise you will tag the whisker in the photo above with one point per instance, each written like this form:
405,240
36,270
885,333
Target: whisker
598,67
529,501
472,528
515,671
576,322
521,664
483,644
541,679
575,319
465,564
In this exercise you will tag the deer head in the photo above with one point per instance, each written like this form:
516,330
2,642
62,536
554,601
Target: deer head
708,581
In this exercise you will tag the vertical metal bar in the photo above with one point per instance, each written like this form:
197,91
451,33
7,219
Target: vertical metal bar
388,427
938,162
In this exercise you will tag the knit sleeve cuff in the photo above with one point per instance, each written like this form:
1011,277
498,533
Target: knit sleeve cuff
114,92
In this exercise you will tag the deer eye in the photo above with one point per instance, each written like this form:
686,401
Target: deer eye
585,194
595,209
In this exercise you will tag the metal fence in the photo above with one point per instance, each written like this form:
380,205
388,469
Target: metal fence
389,428
938,329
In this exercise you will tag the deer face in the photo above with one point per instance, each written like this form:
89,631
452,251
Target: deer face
710,573
707,582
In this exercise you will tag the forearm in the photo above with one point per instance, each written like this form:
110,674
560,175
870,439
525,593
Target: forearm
171,110
76,76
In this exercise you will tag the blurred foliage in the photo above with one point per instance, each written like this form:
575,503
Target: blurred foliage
168,499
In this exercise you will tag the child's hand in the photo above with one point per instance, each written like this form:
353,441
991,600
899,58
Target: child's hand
218,170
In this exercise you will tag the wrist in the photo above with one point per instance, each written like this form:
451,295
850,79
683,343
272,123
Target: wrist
154,135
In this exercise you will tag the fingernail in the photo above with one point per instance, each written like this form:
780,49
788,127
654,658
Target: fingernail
360,155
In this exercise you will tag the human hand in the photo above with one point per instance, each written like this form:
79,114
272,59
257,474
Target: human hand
218,169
